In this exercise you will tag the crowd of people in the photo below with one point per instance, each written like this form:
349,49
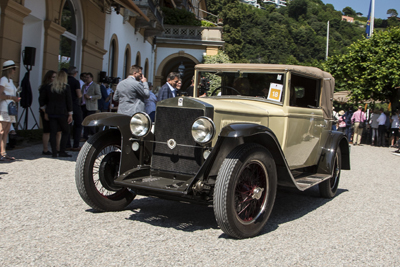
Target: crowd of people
66,101
379,129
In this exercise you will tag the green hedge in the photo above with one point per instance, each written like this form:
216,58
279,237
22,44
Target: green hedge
179,17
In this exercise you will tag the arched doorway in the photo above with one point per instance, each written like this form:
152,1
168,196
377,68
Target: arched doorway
172,63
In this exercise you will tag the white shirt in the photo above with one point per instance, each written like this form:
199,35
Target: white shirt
9,89
382,119
172,90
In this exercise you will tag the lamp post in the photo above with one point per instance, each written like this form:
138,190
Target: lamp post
181,69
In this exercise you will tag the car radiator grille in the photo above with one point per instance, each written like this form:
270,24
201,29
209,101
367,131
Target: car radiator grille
176,123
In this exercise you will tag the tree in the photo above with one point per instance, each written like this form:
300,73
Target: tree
231,15
348,11
297,8
392,12
215,80
371,68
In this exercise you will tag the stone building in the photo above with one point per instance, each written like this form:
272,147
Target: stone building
103,36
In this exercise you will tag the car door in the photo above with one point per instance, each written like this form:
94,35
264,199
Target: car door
305,122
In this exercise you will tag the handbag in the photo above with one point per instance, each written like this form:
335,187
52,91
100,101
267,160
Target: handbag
12,109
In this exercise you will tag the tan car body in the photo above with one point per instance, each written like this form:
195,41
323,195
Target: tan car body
291,125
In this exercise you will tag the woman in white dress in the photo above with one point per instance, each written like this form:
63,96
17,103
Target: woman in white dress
7,94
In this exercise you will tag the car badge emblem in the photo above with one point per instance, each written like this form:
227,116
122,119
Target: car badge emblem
171,143
180,101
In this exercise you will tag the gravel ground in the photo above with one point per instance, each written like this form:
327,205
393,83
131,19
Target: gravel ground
44,222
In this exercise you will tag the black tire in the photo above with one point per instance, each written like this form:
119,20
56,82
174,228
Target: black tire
247,175
96,169
328,188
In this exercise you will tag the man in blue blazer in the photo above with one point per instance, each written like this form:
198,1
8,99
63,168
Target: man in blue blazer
169,90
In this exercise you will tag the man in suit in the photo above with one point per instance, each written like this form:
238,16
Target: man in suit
90,94
169,90
132,92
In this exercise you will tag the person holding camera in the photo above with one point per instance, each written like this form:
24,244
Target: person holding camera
132,92
168,90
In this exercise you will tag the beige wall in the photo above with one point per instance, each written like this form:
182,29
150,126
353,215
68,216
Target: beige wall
11,24
13,12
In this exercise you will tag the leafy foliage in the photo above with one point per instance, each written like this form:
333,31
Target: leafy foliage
392,12
348,11
205,23
180,17
370,68
215,80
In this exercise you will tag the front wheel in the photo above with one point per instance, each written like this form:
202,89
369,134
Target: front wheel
96,169
245,191
328,188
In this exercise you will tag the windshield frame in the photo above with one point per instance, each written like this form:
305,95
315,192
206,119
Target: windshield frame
240,73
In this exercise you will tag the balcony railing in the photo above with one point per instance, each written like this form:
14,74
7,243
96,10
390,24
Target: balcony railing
192,33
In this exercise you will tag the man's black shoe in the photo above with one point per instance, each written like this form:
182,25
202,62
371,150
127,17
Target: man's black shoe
64,154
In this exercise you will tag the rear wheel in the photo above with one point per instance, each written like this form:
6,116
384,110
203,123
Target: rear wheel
245,191
328,188
96,169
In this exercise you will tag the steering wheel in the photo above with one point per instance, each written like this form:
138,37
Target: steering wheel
231,88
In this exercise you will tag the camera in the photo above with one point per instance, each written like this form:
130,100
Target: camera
110,80
105,79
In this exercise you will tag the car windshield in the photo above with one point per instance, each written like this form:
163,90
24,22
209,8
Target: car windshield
249,84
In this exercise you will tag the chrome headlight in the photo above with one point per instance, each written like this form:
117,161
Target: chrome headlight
140,124
203,130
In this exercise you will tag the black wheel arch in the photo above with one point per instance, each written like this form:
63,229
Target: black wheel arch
326,162
129,158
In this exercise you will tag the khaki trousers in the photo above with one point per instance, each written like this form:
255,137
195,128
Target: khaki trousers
357,133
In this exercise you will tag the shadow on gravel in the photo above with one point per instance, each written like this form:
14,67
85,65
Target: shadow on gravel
289,206
173,214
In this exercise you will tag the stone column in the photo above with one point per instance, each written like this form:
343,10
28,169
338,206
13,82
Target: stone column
11,28
51,50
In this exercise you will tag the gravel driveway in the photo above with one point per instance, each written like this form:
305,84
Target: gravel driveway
44,222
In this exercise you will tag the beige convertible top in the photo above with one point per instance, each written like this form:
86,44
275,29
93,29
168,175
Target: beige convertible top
328,83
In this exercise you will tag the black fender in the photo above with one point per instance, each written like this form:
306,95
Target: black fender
129,158
239,133
326,162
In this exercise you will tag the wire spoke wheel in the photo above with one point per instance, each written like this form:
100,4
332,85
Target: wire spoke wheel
245,191
250,192
105,170
97,168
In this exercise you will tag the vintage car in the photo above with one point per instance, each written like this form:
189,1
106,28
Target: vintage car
262,126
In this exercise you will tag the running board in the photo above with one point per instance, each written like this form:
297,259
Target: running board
307,180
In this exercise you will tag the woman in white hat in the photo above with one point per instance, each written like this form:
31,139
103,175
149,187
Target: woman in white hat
7,94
